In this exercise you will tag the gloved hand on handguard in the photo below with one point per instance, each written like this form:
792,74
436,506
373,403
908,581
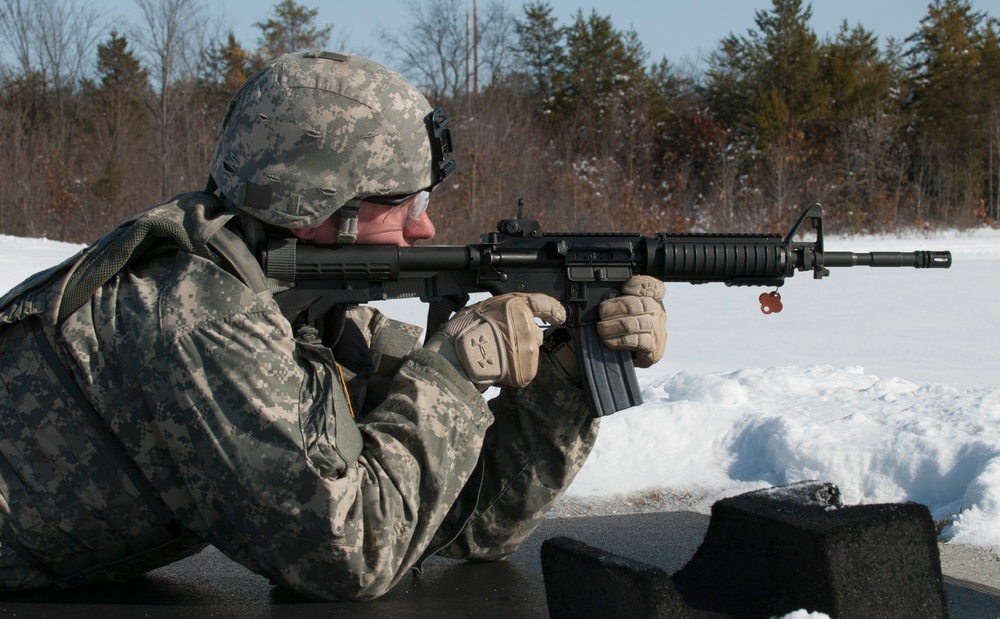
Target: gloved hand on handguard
636,320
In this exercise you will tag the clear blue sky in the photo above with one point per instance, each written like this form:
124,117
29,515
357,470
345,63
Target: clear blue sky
677,29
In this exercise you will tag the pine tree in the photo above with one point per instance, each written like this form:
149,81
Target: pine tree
862,134
226,67
600,64
948,104
769,80
118,67
990,83
767,87
291,29
856,73
540,51
118,117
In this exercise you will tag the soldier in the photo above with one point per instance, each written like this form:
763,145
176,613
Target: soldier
155,399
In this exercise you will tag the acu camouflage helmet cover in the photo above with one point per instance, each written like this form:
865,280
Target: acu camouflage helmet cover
311,131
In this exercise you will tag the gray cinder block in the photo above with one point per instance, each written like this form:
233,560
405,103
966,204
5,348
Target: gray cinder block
768,553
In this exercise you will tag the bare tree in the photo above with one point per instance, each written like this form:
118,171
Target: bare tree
67,35
432,52
17,28
51,37
47,43
50,42
782,177
172,40
496,39
435,52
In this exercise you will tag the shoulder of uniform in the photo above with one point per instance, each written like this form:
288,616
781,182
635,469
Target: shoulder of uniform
191,291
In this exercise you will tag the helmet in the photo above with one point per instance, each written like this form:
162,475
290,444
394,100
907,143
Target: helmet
313,131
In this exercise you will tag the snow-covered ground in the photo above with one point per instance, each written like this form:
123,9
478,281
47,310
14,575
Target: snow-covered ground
883,381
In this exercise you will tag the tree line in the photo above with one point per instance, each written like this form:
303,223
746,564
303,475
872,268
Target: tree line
574,118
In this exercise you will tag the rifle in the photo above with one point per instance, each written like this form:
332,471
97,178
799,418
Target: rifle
579,269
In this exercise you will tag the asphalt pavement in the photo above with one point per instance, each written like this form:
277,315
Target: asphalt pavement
210,585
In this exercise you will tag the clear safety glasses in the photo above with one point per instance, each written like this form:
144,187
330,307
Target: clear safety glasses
416,204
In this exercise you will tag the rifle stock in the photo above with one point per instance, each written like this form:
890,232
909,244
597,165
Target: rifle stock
579,269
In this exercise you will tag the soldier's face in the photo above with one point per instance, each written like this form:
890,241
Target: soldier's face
393,225
378,224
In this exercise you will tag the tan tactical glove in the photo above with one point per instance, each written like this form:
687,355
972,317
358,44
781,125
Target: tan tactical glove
497,341
636,320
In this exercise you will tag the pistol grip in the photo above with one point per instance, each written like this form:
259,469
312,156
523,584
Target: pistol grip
608,375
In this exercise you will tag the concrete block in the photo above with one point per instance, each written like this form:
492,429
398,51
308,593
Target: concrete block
583,581
765,554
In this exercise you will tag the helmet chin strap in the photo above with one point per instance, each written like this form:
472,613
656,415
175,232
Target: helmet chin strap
348,232
211,186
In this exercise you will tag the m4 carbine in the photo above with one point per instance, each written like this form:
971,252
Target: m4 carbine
579,269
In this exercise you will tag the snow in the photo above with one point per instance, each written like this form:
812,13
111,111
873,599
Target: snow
883,381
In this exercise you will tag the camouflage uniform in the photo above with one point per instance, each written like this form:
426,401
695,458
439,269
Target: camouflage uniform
175,407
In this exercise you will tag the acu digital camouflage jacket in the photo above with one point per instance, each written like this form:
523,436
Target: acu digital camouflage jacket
174,407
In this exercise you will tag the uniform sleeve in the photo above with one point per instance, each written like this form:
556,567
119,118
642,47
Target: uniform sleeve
268,470
539,440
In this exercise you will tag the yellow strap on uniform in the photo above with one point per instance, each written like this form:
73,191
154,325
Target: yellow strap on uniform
343,383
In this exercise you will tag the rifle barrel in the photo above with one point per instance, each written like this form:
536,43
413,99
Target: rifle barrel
915,259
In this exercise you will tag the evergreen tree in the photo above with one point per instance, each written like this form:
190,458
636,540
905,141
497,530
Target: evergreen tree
118,118
118,67
766,86
946,54
856,73
226,67
291,29
600,64
769,80
948,105
990,83
862,136
540,51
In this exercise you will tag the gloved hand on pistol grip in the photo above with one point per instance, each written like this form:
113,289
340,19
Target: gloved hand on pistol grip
497,341
635,320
